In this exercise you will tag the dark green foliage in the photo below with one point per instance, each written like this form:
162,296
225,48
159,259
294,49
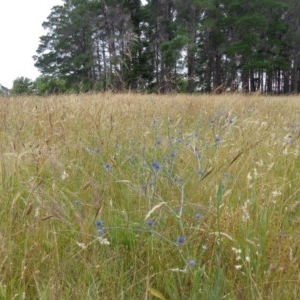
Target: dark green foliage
22,86
45,85
210,45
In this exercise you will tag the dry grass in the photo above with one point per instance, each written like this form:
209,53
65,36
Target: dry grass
232,161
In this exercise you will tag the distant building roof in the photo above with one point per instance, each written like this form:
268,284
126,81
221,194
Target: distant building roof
4,90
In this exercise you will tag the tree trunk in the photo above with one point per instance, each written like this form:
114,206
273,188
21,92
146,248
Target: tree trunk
295,76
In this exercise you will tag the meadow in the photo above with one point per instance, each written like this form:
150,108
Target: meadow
150,197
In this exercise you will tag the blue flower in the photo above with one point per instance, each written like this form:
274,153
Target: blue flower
172,154
180,240
150,223
99,224
217,139
198,216
155,166
100,229
107,167
191,262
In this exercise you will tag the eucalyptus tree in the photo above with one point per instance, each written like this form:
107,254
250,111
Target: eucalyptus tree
189,17
159,45
292,40
86,44
66,51
256,48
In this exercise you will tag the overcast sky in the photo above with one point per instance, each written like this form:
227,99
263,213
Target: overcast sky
20,29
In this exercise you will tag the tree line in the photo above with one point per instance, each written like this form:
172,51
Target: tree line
170,45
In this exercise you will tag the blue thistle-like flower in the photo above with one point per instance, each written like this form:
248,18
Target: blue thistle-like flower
107,167
191,262
180,240
155,166
99,227
172,154
99,224
217,139
198,216
150,223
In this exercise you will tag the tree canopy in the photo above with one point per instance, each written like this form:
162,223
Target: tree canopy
171,45
22,86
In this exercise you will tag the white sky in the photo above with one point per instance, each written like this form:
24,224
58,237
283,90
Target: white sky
20,29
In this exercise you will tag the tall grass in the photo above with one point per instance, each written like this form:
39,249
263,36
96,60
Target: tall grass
149,197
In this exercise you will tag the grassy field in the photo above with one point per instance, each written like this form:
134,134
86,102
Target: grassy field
150,197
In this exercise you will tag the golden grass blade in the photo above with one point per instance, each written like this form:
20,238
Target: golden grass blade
155,293
154,209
